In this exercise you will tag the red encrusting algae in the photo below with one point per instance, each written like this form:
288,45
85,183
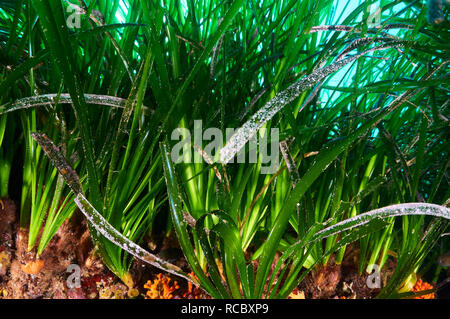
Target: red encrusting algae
193,292
160,288
422,286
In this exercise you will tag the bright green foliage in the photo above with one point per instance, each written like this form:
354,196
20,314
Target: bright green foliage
362,111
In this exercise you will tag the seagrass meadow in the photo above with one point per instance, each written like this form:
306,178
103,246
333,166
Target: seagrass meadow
224,149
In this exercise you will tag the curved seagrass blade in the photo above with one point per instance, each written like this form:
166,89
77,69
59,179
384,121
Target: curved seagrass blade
283,98
94,217
361,225
383,213
59,161
50,99
113,235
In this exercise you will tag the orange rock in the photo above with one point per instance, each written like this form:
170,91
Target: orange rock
33,267
297,294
